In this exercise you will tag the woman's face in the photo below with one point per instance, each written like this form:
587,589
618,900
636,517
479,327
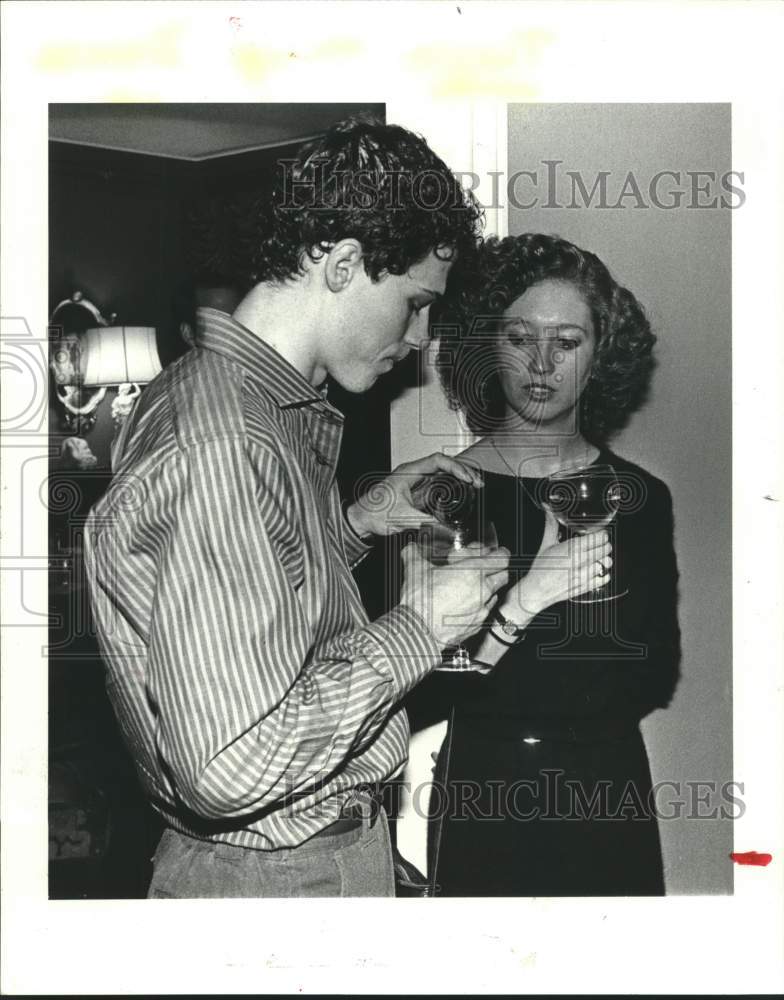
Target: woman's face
545,351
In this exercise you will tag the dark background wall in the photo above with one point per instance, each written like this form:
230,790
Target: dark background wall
129,231
115,230
115,234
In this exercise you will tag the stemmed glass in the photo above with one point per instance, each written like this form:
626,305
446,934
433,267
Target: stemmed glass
461,520
584,500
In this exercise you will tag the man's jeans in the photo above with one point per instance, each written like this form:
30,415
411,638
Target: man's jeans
356,863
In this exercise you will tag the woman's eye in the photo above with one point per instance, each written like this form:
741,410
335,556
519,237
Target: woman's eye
567,345
521,340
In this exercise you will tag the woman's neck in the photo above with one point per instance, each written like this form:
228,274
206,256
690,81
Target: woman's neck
537,455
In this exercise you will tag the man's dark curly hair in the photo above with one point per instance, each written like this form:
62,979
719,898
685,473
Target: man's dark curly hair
379,184
505,269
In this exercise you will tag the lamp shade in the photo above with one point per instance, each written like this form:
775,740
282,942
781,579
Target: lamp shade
109,355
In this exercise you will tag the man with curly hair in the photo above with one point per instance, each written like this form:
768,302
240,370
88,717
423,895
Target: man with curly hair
260,704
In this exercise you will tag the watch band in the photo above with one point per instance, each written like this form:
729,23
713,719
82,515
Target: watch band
513,633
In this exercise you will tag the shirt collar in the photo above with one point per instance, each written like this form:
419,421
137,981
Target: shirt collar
218,331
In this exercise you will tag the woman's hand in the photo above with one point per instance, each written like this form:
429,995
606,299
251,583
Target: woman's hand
559,571
387,506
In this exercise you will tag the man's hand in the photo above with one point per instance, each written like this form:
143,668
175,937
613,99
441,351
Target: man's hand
456,598
387,508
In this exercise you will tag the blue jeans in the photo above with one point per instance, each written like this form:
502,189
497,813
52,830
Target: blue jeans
355,863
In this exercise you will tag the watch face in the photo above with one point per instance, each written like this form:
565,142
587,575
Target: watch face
509,628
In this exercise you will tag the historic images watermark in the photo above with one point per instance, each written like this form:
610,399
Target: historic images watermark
553,796
548,185
24,443
42,574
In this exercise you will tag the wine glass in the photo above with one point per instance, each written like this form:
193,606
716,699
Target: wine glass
584,500
461,520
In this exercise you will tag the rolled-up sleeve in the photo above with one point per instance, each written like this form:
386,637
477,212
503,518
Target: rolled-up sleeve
250,707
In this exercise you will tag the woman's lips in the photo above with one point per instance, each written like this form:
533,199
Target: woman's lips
539,392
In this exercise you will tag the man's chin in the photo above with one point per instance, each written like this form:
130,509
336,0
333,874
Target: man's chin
358,382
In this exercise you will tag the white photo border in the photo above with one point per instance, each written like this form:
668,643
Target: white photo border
426,53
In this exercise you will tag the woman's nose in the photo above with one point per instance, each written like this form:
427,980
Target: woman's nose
542,357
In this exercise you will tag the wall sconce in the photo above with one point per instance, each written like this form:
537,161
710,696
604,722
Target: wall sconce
92,354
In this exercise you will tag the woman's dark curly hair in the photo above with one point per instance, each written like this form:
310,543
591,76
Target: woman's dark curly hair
487,286
377,183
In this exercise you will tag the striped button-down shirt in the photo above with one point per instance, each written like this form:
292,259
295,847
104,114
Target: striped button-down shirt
254,694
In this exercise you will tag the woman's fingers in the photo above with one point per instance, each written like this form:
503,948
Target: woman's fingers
594,538
593,575
588,542
592,563
595,545
602,572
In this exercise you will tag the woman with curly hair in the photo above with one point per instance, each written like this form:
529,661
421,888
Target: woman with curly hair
545,787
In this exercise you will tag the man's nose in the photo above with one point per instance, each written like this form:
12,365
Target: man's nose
418,332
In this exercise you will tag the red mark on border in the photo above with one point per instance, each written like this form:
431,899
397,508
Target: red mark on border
752,858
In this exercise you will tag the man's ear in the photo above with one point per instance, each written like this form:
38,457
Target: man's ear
342,264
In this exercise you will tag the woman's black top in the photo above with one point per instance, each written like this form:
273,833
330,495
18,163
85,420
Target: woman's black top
545,787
